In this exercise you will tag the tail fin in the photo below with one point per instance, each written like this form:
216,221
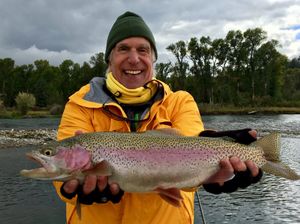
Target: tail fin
271,147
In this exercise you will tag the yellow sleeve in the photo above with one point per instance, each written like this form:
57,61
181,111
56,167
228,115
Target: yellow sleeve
185,115
74,118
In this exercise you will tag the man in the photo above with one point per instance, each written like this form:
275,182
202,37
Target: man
131,100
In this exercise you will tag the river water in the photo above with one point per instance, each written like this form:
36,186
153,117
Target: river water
273,200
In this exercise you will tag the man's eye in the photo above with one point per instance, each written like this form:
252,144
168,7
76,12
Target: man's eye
143,50
123,48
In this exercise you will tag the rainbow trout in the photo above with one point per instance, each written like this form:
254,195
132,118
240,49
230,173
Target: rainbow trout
153,161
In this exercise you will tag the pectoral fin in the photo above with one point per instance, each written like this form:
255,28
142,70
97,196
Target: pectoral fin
171,195
100,169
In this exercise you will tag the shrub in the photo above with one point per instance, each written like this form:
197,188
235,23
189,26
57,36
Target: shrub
2,107
25,101
56,109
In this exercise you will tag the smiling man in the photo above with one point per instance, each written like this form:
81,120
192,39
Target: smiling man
131,62
130,99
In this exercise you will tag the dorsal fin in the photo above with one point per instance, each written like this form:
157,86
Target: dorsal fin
271,146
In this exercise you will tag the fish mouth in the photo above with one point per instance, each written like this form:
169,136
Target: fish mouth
40,173
32,156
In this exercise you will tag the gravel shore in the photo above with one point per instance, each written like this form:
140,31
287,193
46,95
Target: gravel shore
17,138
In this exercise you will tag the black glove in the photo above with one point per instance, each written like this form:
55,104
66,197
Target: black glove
95,196
241,136
241,179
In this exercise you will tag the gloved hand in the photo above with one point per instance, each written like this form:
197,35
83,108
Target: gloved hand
241,136
95,196
241,179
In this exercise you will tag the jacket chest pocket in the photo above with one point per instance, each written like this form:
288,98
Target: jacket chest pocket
159,119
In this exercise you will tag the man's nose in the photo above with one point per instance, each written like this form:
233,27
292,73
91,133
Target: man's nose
133,57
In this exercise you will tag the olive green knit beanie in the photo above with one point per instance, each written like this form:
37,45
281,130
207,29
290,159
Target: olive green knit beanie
128,25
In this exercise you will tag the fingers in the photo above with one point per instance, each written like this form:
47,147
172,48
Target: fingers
225,172
228,168
93,190
92,181
253,133
237,164
114,189
101,183
253,168
89,184
78,132
71,186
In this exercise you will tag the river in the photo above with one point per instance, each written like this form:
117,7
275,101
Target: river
272,200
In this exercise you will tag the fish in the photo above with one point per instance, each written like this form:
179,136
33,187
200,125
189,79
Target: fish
162,161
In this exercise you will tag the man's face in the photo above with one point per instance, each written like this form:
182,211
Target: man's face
131,62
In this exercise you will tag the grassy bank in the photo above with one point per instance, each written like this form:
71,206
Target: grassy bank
205,109
13,114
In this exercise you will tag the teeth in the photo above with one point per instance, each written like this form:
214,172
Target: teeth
133,72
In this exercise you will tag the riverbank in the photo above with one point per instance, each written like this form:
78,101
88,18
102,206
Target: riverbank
205,109
13,114
17,138
208,109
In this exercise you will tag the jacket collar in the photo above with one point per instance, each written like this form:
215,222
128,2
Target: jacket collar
96,96
96,93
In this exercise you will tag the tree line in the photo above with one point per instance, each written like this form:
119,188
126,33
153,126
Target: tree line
49,84
241,69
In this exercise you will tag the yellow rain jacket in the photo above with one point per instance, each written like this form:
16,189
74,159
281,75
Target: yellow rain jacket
85,111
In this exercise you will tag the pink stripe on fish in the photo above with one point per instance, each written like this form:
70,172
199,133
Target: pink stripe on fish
157,156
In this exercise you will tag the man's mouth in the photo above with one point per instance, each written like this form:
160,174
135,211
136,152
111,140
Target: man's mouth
133,72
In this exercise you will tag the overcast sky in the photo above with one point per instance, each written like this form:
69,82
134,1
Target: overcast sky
56,30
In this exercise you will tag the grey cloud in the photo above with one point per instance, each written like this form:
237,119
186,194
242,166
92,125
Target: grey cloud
80,27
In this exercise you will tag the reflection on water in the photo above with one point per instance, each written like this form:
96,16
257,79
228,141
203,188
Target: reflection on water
272,200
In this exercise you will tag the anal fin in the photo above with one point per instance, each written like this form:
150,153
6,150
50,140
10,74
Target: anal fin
171,195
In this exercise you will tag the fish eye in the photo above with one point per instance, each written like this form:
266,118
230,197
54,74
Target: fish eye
48,152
